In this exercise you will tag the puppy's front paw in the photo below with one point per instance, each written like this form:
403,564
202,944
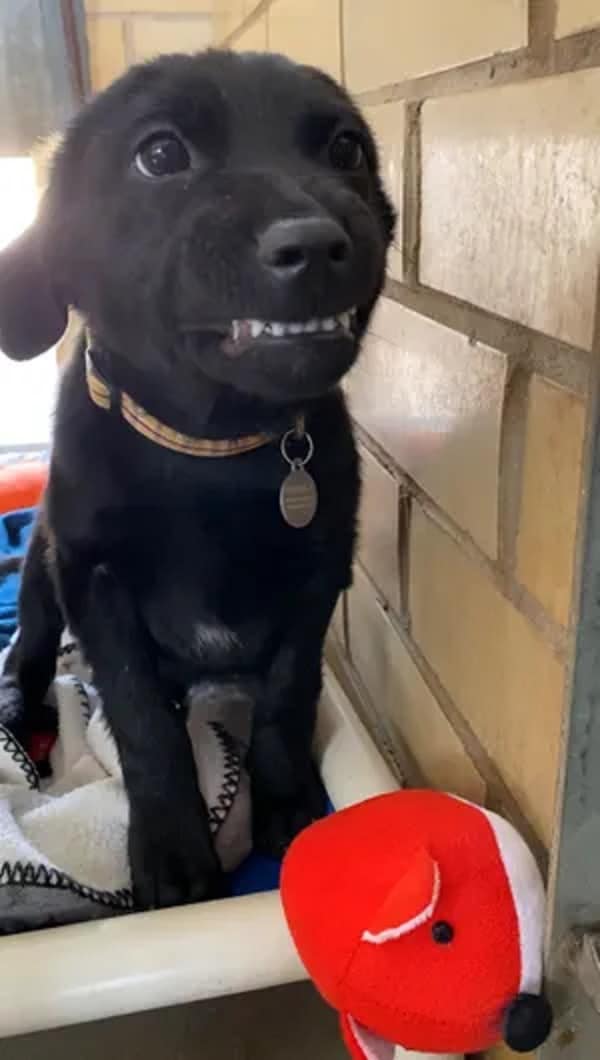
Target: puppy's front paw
277,822
168,870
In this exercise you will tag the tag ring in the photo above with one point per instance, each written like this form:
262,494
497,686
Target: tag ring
297,462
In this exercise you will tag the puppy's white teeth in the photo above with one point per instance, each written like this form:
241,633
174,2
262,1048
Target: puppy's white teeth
253,329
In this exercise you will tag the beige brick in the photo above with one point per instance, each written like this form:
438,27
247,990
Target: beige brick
434,401
158,36
510,203
496,667
228,15
368,641
400,695
388,121
307,31
390,40
575,15
106,42
378,539
338,622
551,493
168,7
254,38
502,1052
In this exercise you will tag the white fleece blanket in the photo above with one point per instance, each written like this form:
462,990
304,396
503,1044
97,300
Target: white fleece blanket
63,841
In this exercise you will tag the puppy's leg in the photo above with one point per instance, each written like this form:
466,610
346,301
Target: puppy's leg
286,790
171,850
31,661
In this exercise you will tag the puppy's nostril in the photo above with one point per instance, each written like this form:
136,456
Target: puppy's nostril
293,246
289,258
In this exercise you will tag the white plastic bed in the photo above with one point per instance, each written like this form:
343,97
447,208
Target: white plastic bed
71,975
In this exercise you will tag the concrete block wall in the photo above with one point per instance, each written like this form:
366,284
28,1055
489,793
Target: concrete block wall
471,397
122,32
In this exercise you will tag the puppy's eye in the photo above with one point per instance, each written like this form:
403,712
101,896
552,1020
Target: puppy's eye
162,155
346,152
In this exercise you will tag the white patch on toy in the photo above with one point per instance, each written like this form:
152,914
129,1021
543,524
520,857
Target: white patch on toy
373,1047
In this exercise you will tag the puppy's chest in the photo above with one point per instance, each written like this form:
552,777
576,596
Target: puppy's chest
215,595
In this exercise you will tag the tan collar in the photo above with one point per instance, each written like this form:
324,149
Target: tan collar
104,396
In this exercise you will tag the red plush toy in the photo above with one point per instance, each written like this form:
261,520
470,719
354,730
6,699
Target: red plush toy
22,485
420,918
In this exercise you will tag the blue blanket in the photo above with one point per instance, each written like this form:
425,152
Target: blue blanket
15,531
257,873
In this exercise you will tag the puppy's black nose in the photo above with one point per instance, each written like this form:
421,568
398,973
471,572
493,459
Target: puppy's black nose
298,244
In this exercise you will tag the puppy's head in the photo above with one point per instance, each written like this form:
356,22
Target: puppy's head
215,216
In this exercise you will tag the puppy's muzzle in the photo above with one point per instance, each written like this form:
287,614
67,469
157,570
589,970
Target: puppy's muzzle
296,249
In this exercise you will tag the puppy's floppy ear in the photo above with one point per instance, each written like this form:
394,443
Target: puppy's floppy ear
32,317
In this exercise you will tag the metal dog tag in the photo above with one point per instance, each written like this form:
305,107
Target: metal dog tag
298,498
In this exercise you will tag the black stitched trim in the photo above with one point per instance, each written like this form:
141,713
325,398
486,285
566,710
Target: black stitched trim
218,814
14,750
26,874
84,699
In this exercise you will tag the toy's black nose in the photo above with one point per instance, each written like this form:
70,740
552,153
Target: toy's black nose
527,1023
297,245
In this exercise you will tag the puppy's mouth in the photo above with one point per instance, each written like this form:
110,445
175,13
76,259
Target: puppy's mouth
246,333
278,360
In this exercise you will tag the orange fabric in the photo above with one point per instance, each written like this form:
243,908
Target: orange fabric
343,871
22,485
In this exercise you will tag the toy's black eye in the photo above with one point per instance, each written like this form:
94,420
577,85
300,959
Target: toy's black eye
162,155
442,932
346,152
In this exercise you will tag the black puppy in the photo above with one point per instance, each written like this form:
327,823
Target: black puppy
220,224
